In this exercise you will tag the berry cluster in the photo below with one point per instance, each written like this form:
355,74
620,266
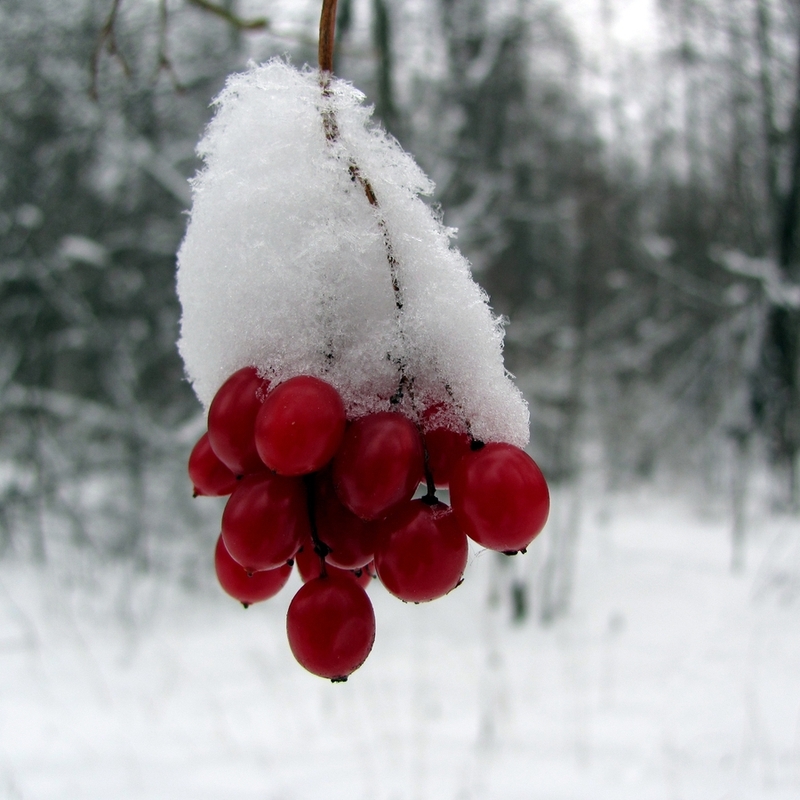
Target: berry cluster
334,496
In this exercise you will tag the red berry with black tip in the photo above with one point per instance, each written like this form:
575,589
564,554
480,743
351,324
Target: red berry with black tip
331,626
379,464
209,476
500,497
300,426
265,521
247,588
421,552
350,539
232,418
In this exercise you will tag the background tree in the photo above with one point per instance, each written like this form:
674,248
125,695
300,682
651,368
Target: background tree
93,396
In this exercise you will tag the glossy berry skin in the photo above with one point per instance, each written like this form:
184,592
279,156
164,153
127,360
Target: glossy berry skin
422,552
351,539
244,587
366,574
309,567
379,464
331,626
445,449
444,445
500,497
300,426
231,421
209,476
265,521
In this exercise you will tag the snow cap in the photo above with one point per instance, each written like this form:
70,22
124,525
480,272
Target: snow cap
288,267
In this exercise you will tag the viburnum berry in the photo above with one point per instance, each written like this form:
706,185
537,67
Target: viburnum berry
444,446
445,449
421,552
209,476
309,566
331,626
379,464
231,421
246,587
364,575
265,521
500,497
300,426
350,539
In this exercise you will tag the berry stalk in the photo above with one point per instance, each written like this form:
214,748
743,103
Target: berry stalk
320,548
327,39
327,36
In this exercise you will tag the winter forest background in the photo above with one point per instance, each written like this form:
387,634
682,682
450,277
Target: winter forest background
625,179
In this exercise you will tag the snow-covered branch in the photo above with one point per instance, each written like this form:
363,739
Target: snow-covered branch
765,271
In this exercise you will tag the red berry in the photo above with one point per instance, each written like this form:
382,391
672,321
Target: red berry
309,567
444,445
500,497
309,564
365,574
351,540
421,552
331,626
246,587
300,426
445,449
231,421
209,476
265,521
379,464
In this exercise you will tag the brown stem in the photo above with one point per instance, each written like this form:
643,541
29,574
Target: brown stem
327,35
327,38
320,548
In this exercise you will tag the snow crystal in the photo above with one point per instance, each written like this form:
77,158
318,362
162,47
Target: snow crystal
287,266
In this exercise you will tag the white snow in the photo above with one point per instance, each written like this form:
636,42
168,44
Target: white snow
671,679
284,265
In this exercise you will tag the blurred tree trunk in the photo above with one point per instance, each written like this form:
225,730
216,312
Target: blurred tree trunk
558,571
739,486
385,106
776,392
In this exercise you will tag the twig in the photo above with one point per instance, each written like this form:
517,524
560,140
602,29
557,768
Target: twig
107,39
257,23
164,60
327,37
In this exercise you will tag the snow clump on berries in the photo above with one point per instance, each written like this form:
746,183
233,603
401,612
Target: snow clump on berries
287,266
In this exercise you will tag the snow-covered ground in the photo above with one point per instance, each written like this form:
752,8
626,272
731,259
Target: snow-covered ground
671,679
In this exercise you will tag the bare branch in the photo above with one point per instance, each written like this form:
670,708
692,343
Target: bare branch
164,60
778,291
257,23
107,39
